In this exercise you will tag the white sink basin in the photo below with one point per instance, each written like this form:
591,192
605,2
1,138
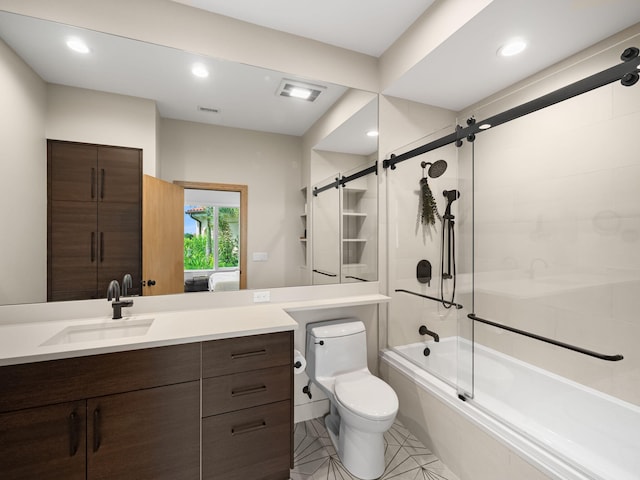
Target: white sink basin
114,330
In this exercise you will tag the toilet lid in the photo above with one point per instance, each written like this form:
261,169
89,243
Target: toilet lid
366,395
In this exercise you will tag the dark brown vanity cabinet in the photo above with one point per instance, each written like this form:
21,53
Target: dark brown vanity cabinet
214,410
94,219
47,443
115,416
247,408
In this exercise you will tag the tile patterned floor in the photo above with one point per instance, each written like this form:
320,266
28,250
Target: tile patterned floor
405,457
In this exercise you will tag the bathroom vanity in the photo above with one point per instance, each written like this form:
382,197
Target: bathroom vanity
154,413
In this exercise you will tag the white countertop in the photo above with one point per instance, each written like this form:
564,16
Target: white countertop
23,342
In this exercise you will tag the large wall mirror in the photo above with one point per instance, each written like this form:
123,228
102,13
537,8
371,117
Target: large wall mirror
222,123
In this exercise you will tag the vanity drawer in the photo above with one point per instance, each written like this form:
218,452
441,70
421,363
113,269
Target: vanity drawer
243,390
232,355
254,443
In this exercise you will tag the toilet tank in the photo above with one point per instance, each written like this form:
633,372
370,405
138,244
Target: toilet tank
335,347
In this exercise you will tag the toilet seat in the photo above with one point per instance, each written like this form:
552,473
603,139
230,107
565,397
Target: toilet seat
366,395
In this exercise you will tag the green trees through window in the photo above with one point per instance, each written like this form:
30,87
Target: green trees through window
211,238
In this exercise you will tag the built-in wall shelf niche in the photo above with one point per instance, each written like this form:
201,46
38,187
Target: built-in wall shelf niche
354,231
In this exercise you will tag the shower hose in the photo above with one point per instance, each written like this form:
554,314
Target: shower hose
447,224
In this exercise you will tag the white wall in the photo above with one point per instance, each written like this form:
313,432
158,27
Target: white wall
23,182
269,164
405,125
89,116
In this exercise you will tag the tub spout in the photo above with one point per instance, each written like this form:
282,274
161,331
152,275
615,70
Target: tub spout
423,330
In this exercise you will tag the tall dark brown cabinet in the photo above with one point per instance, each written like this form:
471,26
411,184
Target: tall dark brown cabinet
94,219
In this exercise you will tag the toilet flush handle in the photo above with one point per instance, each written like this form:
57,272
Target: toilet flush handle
321,342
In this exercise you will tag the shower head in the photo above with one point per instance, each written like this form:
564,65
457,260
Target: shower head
436,169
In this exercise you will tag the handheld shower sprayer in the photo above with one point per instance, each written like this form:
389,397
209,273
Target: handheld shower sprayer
448,244
451,196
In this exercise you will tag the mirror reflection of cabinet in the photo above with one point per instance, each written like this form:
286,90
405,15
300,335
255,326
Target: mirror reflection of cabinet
94,219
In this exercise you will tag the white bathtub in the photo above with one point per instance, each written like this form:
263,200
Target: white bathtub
568,430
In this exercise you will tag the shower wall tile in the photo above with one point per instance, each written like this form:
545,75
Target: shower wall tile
624,190
557,215
625,101
626,302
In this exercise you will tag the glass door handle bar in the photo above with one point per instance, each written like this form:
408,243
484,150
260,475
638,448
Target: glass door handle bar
356,278
584,351
325,273
439,300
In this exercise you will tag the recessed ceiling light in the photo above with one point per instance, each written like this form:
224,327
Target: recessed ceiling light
199,70
511,48
301,90
372,133
77,45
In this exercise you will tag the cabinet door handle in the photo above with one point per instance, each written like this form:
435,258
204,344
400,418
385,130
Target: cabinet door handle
93,183
236,356
74,434
93,247
102,175
101,247
96,429
238,392
248,428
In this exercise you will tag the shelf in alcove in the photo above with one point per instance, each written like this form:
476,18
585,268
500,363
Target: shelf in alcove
354,240
354,214
303,239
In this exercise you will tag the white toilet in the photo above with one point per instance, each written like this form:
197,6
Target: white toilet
363,407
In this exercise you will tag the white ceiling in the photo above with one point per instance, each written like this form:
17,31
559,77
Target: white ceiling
461,71
464,69
244,95
365,26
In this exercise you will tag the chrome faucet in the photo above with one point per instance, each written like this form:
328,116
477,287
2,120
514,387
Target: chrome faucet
423,330
113,293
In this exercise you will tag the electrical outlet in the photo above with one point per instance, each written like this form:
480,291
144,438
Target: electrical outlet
261,297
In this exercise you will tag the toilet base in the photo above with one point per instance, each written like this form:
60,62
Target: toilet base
361,453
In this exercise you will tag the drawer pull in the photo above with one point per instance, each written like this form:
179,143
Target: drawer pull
248,390
248,428
237,356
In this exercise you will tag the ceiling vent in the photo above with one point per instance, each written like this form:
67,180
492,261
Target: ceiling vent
208,109
301,90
